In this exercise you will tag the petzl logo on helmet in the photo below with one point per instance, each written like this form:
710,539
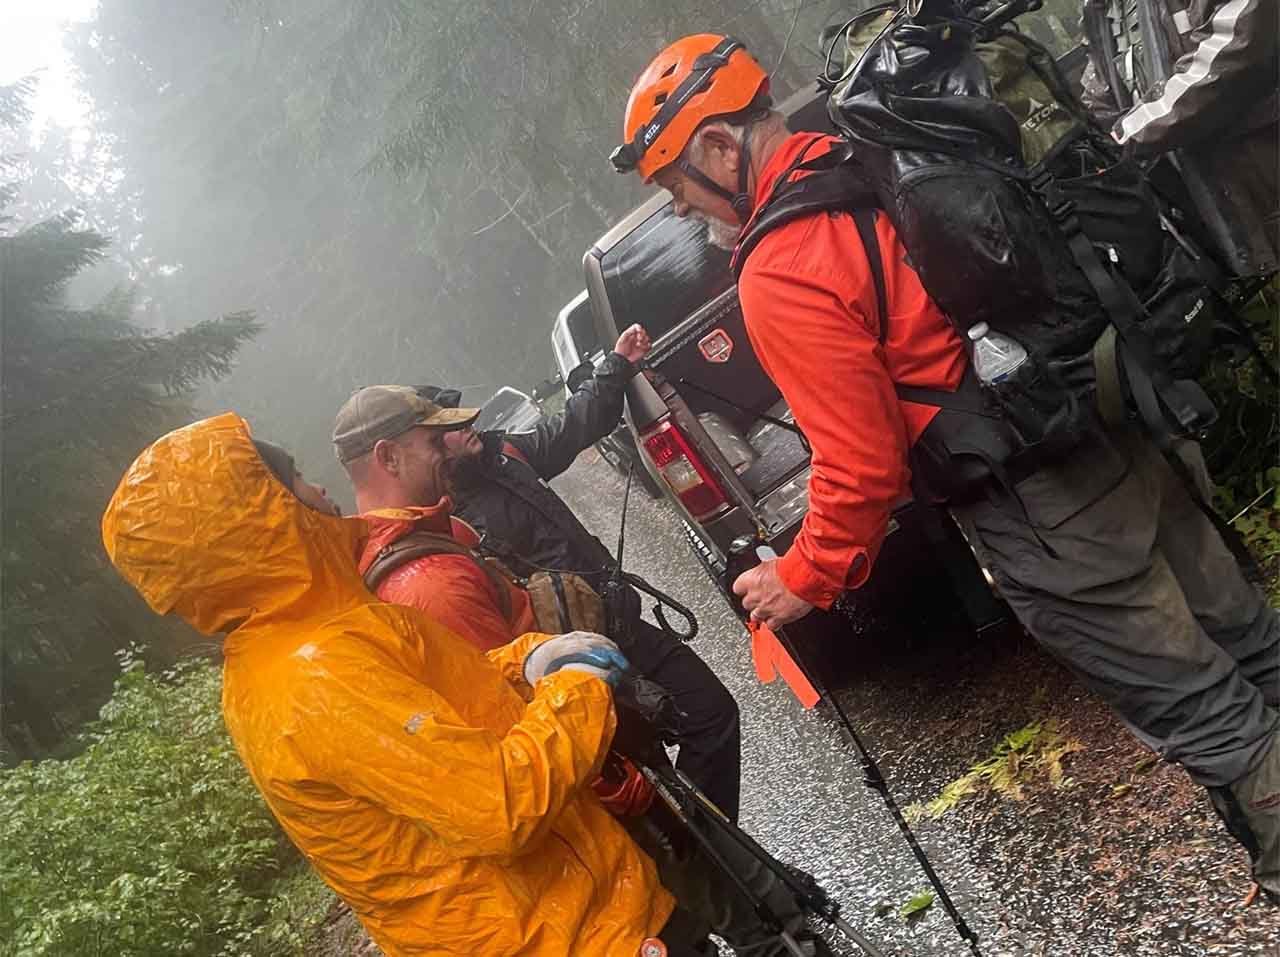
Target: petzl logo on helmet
716,346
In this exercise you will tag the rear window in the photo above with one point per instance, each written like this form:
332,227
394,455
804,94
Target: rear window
664,270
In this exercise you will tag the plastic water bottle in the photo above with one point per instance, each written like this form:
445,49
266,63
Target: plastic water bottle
994,355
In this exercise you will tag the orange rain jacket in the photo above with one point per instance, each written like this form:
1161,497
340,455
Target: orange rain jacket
451,589
447,810
811,314
456,593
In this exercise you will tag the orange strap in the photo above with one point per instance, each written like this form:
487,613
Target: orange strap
771,660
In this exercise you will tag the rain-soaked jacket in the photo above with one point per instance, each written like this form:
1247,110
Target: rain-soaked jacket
408,768
451,589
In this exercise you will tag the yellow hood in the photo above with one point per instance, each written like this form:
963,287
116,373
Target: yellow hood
200,527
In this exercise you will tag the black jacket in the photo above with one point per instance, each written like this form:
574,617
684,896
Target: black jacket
1219,106
509,500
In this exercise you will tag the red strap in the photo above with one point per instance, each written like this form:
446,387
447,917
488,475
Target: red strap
772,660
622,789
510,450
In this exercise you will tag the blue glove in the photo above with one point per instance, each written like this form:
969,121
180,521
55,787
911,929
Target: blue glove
576,651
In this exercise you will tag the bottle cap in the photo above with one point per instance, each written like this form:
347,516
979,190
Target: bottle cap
978,330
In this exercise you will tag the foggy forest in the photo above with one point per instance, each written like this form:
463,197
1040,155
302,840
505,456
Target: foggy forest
270,204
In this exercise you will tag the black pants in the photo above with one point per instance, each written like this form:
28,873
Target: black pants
686,936
710,752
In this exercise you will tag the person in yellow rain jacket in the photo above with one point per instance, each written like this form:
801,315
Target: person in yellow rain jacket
436,791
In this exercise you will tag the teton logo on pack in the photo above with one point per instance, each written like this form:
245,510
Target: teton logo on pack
716,346
1038,114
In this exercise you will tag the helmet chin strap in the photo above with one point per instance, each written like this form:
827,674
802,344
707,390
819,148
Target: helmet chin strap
741,200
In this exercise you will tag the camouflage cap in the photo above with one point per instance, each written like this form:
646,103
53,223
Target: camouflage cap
385,411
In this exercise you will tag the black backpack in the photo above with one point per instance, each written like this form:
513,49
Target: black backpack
1015,211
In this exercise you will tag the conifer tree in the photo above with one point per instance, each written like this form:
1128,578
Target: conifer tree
83,391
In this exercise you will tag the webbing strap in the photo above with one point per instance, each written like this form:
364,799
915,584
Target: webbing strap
865,221
1106,366
835,186
420,544
838,185
706,182
1124,309
968,397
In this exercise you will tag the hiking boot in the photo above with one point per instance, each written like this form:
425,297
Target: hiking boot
1250,808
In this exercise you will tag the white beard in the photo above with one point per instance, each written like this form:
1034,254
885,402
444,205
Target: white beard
721,234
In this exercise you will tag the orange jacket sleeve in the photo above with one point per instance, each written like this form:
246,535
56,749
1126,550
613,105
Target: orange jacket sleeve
509,659
402,747
814,328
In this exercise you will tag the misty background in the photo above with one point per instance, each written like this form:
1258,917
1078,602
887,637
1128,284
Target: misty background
400,192
262,205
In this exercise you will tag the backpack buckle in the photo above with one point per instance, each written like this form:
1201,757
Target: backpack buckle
1064,214
1041,180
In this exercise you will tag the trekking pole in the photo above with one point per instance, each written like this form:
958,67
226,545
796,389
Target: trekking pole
874,779
684,799
871,775
812,896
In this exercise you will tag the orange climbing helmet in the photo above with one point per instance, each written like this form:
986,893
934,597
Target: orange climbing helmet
694,79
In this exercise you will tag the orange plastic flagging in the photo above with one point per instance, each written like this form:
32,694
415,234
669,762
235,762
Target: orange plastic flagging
771,660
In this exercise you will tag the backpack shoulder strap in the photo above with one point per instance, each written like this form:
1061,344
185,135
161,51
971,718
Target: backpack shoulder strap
840,187
865,220
831,188
419,544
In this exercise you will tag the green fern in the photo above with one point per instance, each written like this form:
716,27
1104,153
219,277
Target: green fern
1030,753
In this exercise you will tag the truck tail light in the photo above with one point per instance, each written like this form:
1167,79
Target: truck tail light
683,470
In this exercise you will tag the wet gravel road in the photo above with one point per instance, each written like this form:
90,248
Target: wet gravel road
1126,860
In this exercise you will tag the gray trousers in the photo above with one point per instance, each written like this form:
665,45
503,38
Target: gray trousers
1141,598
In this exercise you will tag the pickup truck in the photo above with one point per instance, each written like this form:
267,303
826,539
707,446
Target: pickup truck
716,435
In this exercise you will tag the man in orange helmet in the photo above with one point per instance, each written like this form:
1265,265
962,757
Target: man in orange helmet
700,124
1105,558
